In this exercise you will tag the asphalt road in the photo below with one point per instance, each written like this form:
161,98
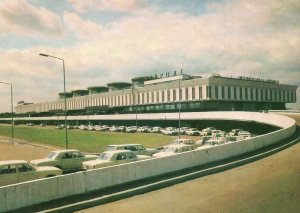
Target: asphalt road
271,184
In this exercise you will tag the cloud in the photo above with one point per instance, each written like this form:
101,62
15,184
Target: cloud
104,5
232,38
82,29
23,18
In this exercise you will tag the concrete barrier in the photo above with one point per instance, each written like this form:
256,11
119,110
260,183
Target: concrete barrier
15,196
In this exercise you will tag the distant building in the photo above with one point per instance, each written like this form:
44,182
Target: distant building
167,94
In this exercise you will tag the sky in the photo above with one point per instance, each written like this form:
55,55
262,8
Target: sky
104,41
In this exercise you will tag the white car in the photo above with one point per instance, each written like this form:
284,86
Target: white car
170,131
242,135
137,149
15,171
156,129
69,159
216,141
234,132
131,129
207,131
109,158
183,141
192,132
173,150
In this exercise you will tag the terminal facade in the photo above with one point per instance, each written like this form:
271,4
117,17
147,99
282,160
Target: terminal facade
169,94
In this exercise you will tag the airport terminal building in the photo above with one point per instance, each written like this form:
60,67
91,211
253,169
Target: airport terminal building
169,94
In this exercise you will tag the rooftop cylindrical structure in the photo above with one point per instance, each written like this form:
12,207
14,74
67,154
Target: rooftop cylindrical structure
139,81
62,95
113,86
80,92
97,89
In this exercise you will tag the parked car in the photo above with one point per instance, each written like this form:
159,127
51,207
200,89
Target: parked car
183,130
234,132
203,139
131,129
120,128
156,129
97,127
170,131
207,131
138,149
90,128
113,129
192,132
143,129
104,128
83,127
15,171
242,135
173,150
69,159
216,141
109,158
183,141
61,126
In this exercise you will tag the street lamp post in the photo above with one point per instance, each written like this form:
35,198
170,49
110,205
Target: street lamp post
65,98
179,108
12,112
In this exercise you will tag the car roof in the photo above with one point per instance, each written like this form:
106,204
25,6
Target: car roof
118,151
8,162
65,150
119,145
182,139
178,145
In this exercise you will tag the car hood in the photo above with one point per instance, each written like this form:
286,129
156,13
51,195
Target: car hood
142,157
92,157
163,154
95,162
39,161
47,168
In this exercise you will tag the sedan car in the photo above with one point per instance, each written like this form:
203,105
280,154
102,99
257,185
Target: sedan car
15,171
184,141
109,158
66,160
137,149
174,149
192,131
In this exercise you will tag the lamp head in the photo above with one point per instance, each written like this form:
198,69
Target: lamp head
45,55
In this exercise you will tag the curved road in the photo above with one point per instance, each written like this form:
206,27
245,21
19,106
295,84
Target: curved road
271,184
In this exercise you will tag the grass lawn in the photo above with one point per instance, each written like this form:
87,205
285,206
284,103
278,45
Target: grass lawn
93,141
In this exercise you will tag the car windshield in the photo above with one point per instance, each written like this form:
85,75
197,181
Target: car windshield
104,156
51,155
110,148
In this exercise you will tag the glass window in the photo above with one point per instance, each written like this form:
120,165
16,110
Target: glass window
174,95
193,93
168,95
223,92
186,93
216,92
200,92
163,96
208,91
234,92
24,168
241,93
8,169
229,92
